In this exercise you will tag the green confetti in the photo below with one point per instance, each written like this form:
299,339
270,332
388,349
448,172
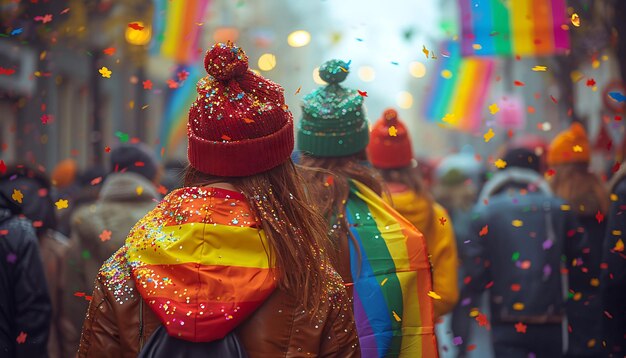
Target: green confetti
86,254
515,256
123,137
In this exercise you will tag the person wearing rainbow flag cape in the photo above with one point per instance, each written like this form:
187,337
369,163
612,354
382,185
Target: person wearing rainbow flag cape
232,264
381,256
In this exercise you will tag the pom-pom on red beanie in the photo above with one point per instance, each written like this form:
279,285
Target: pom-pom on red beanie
239,125
390,145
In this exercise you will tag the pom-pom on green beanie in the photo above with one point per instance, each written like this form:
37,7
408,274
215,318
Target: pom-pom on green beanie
333,120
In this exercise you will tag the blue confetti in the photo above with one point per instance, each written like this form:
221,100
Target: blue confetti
617,96
17,31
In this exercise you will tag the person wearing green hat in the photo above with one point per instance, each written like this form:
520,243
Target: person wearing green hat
381,257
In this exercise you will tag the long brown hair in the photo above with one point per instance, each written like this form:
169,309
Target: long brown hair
411,178
583,190
328,184
297,235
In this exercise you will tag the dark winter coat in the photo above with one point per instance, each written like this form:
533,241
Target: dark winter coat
614,275
520,231
25,309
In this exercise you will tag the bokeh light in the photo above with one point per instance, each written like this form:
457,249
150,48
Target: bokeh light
417,69
267,62
404,100
367,73
299,38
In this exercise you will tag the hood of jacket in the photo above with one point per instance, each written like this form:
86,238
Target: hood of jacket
35,204
200,261
128,187
413,207
513,176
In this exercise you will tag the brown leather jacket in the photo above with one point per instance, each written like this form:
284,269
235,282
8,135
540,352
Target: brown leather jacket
279,328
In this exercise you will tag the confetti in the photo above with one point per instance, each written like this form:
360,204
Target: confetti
3,167
599,217
110,51
395,315
393,131
139,190
442,221
616,167
457,341
425,51
17,195
45,118
21,338
182,75
575,20
616,96
493,108
540,68
105,235
61,204
17,31
484,231
500,164
516,287
519,83
384,282
172,84
482,320
517,223
123,137
619,246
520,327
298,90
44,19
6,71
105,72
433,295
488,135
147,84
577,149
591,82
362,93
518,306
135,26
225,137
248,120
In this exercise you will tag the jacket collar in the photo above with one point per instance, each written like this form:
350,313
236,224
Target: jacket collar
128,187
514,176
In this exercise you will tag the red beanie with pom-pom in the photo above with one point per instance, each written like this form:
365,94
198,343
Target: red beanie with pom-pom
390,145
239,125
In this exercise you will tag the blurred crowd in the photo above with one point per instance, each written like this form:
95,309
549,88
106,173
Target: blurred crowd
538,231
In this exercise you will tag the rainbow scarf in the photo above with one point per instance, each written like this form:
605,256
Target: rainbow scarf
392,278
199,260
515,27
459,89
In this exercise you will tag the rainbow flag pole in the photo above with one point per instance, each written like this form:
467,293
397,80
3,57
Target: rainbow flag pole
514,27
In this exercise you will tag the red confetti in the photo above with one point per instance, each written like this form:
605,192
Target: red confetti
65,11
147,84
105,235
6,71
599,217
21,338
519,83
44,19
553,99
618,118
88,298
482,320
96,181
45,118
484,230
107,149
616,167
109,51
140,164
471,347
516,287
172,84
550,172
520,327
135,26
182,75
225,137
79,294
3,167
489,284
162,190
591,82
362,93
442,220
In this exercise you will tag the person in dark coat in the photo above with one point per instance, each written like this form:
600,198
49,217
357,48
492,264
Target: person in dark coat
25,309
520,232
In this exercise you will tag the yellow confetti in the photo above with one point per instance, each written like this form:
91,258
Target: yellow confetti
139,190
518,306
384,282
395,315
425,51
591,343
500,164
434,295
575,20
517,223
17,195
61,204
393,131
540,68
594,282
131,104
488,135
565,207
576,76
105,72
578,296
493,109
595,64
577,149
613,197
619,246
447,74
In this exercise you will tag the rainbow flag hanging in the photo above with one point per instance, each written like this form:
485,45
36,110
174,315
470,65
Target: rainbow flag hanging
392,278
459,89
513,27
202,272
177,27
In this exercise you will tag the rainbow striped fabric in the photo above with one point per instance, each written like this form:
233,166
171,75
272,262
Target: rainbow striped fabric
199,260
392,278
458,89
514,27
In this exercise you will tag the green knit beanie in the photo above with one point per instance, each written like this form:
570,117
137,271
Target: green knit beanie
333,120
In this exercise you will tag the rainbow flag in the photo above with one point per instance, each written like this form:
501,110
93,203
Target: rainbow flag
513,27
177,27
391,272
173,128
201,271
459,89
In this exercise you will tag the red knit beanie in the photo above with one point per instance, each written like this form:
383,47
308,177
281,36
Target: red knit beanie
390,145
239,125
